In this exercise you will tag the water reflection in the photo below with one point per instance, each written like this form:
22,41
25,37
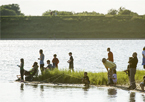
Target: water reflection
22,87
41,87
132,97
112,91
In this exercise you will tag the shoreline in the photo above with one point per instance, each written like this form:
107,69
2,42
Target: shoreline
122,87
72,39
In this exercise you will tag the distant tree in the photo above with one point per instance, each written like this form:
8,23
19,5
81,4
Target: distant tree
112,12
123,11
11,9
57,12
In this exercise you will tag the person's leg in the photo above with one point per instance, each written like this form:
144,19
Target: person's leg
142,86
42,67
21,72
132,75
144,66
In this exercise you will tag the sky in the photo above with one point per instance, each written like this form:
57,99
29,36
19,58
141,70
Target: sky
37,7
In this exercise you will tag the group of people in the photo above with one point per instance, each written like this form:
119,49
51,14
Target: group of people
131,69
49,66
108,63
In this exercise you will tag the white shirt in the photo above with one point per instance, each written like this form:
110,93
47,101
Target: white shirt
114,76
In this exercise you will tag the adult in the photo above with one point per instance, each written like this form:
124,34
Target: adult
143,60
110,55
41,60
70,61
110,66
55,61
133,64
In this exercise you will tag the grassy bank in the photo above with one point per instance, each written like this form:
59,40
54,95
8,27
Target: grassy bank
73,27
65,76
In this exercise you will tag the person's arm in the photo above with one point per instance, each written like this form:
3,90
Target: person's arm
57,61
143,55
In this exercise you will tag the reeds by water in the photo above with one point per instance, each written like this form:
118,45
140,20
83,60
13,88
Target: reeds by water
100,78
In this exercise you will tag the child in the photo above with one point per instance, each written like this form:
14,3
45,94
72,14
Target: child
114,77
49,65
142,84
21,68
70,61
86,79
55,61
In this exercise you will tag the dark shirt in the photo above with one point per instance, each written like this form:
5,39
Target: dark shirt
133,62
86,78
71,62
50,66
110,56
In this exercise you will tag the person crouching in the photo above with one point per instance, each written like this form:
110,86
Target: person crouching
86,80
142,84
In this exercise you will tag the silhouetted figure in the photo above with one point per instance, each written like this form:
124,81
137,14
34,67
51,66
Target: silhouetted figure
110,66
143,60
86,80
55,61
21,69
110,55
133,64
41,60
70,61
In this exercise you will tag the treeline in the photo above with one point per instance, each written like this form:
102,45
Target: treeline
120,11
10,10
14,10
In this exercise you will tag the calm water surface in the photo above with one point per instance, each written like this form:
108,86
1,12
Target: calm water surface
87,56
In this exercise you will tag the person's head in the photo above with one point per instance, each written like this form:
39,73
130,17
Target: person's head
144,48
22,60
104,60
85,73
108,49
35,64
114,71
40,51
48,61
54,55
70,53
134,54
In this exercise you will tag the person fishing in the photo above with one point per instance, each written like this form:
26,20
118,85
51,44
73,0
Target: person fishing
41,60
21,69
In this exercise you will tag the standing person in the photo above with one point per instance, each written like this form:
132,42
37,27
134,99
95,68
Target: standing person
21,69
143,60
41,60
133,64
109,65
110,55
55,61
70,61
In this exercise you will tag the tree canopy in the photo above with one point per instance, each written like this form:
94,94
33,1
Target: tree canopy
11,9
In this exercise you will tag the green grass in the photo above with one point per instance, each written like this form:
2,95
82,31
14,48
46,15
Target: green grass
65,76
73,27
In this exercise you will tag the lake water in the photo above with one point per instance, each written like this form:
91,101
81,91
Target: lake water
87,56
